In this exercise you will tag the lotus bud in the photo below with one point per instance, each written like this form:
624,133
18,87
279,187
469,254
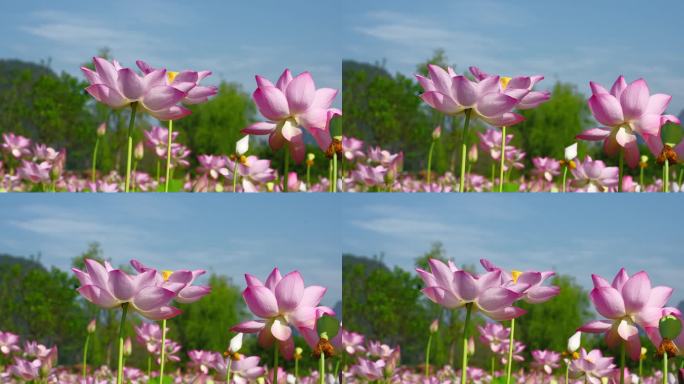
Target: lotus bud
437,133
574,342
139,151
472,154
471,346
242,145
101,129
434,326
91,326
127,347
571,152
235,343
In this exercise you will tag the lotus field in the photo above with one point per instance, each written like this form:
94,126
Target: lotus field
281,305
294,113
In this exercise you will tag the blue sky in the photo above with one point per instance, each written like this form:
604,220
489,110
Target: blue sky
236,40
573,234
226,235
574,41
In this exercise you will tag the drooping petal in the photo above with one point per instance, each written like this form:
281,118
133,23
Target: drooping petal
495,104
594,134
161,313
539,295
507,313
173,112
250,326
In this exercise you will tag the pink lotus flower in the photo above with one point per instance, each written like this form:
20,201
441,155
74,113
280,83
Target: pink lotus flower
450,287
149,335
254,171
453,94
352,342
185,81
624,112
628,302
16,145
519,87
107,287
243,371
8,343
118,87
213,165
593,366
280,303
179,282
369,175
545,360
26,370
290,104
493,335
518,348
546,168
490,141
202,360
593,176
530,283
368,369
353,148
35,173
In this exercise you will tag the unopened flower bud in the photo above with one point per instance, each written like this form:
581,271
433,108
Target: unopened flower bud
434,326
91,326
102,129
472,154
242,145
574,342
127,347
437,133
571,152
235,343
139,151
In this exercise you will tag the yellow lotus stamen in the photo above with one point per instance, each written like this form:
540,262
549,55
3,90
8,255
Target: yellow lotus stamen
575,355
504,81
166,274
515,274
171,75
243,159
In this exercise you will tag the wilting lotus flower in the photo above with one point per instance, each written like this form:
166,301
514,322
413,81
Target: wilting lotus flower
452,288
280,303
453,94
16,145
185,81
593,176
545,360
179,282
494,335
290,104
109,288
8,343
592,365
529,284
625,111
118,87
627,302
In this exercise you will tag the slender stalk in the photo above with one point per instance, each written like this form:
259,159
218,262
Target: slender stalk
321,369
464,359
119,372
85,356
427,357
509,363
666,174
493,177
621,162
565,178
641,368
665,360
158,171
493,366
235,175
464,150
296,371
286,170
131,124
641,178
429,164
308,176
275,363
330,175
681,175
622,363
567,372
230,370
334,186
163,353
503,158
168,158
149,366
97,145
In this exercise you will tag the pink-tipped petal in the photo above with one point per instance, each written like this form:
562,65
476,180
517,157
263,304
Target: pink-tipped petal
312,295
130,84
300,93
150,298
261,301
162,97
271,102
465,286
608,302
250,326
597,326
121,285
284,80
606,109
465,91
634,99
98,296
260,128
507,313
289,291
594,134
494,299
161,313
107,95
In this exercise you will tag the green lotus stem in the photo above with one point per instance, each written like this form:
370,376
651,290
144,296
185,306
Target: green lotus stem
464,150
334,186
621,163
464,359
308,176
235,175
230,370
427,357
666,176
622,363
567,372
641,178
337,367
321,369
330,175
131,124
286,170
163,353
429,164
149,366
97,145
158,171
665,358
168,157
119,372
503,158
509,363
275,363
493,366
565,178
85,356
296,370
493,177
641,368
681,176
